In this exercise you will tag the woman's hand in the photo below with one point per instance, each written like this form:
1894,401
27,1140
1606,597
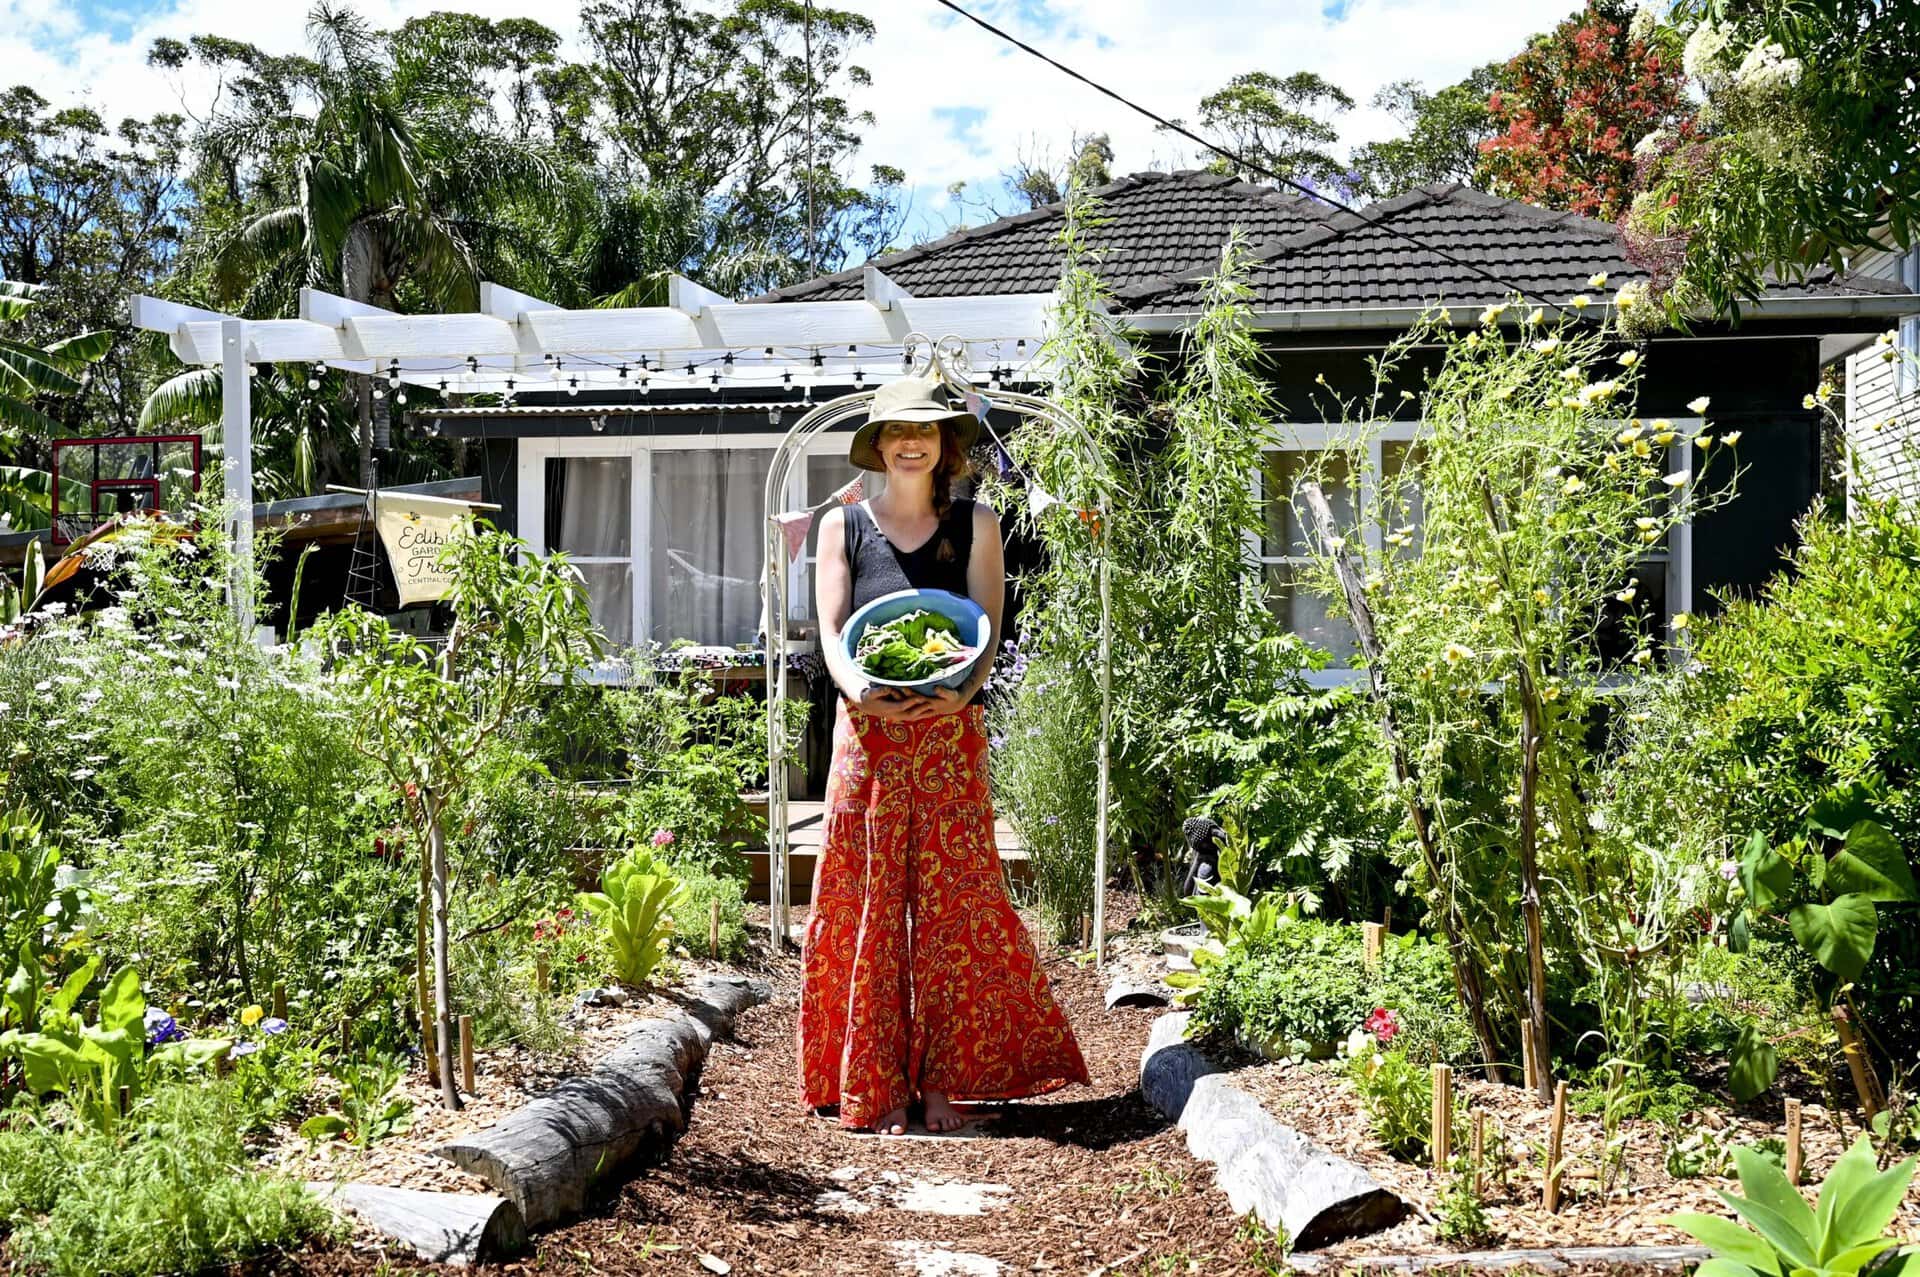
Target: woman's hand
942,702
886,703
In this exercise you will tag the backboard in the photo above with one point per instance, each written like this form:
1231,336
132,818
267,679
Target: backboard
97,479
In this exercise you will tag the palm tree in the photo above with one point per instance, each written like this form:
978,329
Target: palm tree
400,197
28,371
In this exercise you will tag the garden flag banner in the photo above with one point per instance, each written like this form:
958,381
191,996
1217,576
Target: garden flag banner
796,523
415,529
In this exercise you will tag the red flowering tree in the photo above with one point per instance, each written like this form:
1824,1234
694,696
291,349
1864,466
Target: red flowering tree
1572,107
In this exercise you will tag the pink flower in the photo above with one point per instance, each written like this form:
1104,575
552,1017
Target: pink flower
662,837
1383,1024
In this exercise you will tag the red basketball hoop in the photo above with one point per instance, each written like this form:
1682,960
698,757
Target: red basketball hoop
114,476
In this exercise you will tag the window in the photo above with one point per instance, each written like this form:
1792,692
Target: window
1663,578
708,552
1906,375
589,514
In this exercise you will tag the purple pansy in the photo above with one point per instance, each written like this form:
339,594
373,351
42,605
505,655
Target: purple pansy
162,1028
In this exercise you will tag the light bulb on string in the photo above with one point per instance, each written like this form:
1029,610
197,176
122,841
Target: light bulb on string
714,381
556,367
443,385
573,385
393,374
379,393
623,372
727,363
600,423
400,397
818,361
252,371
473,365
644,386
768,352
313,377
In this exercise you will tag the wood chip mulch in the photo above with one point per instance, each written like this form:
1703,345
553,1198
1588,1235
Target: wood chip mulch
1088,1180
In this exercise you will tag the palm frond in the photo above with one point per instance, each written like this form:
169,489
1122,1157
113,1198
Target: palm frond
18,417
263,242
193,398
27,370
76,352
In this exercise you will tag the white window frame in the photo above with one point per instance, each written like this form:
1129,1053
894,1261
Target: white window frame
1309,437
638,450
1906,369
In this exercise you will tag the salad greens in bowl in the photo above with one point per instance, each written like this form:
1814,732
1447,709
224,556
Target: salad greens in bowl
918,639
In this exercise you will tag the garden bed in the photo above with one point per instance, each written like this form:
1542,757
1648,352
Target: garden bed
1319,1101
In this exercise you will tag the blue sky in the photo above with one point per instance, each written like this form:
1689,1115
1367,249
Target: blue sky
950,103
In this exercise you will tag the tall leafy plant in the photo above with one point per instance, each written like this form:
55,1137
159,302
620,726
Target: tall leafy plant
425,716
28,372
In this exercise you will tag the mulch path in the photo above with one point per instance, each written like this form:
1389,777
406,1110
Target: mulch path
1088,1180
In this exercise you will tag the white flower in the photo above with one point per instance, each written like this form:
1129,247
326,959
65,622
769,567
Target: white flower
44,685
1706,54
1807,401
1581,301
1646,19
1730,438
1628,358
1597,281
80,773
1491,315
1455,653
1767,68
1547,345
1681,620
1698,406
1704,441
1626,595
1629,296
1647,145
1678,479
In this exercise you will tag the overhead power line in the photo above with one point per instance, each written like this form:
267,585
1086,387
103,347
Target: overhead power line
1243,162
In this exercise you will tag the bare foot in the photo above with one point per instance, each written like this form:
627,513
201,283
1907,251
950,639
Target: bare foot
941,1116
894,1123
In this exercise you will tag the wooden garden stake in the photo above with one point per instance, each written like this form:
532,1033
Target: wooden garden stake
126,1100
540,972
713,930
1442,1116
279,1000
1556,1134
1479,1153
1086,930
1373,936
1796,1155
466,1053
1529,1063
429,1048
346,1036
1865,1084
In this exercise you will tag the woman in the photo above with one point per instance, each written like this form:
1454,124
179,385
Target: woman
919,981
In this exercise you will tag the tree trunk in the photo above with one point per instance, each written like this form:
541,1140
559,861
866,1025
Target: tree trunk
1466,976
1530,887
442,979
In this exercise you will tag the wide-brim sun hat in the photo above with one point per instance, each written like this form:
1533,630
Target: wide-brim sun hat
912,399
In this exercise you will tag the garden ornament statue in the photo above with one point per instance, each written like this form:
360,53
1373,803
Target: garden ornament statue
1203,853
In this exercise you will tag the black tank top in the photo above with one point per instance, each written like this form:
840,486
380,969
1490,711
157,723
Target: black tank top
880,568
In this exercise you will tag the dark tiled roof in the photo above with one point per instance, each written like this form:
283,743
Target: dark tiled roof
1350,261
1158,225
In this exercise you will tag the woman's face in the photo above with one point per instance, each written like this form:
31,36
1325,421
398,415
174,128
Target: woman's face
909,447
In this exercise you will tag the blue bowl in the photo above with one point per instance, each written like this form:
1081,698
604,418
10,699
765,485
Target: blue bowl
976,631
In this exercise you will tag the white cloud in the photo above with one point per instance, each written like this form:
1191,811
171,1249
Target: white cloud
929,67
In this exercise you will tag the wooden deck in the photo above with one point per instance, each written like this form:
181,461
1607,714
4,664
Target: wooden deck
807,826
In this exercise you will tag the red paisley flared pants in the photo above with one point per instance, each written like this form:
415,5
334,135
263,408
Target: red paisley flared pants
917,974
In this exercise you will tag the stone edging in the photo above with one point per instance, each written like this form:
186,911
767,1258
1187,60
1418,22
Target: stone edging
1288,1182
1556,1259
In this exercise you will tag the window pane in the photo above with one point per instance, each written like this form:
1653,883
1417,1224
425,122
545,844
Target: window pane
1645,613
1320,621
1287,532
610,599
707,547
590,506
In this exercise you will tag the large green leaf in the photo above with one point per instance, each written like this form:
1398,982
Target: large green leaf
1840,936
76,984
1765,874
27,370
1841,809
1852,1261
1855,1203
194,397
1754,1064
1727,1240
1795,1247
1717,1267
121,1003
49,1064
1873,865
86,348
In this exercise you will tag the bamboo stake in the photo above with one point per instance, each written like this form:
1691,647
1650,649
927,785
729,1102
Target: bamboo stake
1796,1155
1442,1116
125,1100
713,931
1466,974
466,1053
1373,938
429,1048
1865,1084
346,1036
1479,1152
540,972
1556,1134
1529,1062
1086,930
279,1000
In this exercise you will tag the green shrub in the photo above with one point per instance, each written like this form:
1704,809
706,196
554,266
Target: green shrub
1305,986
495,980
693,912
1398,1096
171,1191
1042,732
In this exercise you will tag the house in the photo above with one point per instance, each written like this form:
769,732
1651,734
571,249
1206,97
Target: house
684,474
1882,381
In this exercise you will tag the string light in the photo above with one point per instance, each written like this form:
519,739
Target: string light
623,372
313,377
573,385
400,397
393,374
727,363
443,385
818,362
473,365
716,383
600,423
252,371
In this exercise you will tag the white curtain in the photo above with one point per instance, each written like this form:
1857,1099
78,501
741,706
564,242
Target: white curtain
707,543
596,522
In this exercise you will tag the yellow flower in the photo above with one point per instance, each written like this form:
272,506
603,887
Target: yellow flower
1445,316
1704,441
1642,656
1681,620
1573,484
1661,423
1455,653
1887,338
1664,438
1640,448
1650,535
1491,315
1640,716
1628,435
1626,595
1628,358
1730,438
1541,596
252,1015
1698,406
1644,522
1582,301
1807,401
1551,692
1547,345
1536,315
1677,479
1629,296
1597,281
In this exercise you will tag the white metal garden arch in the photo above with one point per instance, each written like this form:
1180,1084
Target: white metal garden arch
949,358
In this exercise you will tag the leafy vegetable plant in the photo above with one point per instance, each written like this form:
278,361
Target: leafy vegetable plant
370,1110
635,903
1842,1235
915,646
